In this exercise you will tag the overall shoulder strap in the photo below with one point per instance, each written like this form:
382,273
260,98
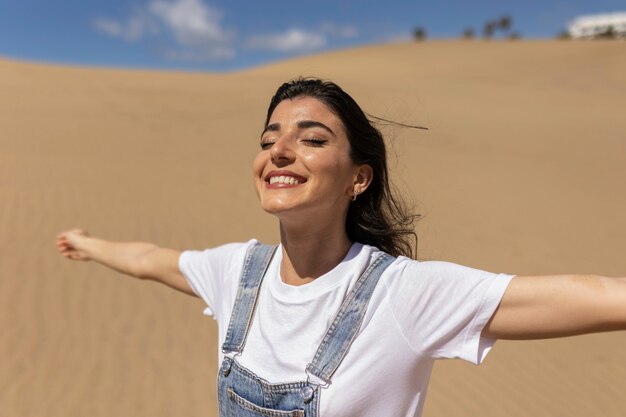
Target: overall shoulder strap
257,260
346,324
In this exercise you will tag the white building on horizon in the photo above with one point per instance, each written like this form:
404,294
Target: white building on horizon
592,26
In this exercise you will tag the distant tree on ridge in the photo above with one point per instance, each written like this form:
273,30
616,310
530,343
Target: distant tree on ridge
468,33
505,23
489,29
419,34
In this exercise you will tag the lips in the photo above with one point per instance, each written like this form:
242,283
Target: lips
283,179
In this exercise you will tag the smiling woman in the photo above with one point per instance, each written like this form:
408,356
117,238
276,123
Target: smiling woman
377,217
338,320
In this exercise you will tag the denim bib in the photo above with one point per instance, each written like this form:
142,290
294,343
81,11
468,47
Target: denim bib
241,393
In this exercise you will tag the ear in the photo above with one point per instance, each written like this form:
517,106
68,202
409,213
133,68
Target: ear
363,177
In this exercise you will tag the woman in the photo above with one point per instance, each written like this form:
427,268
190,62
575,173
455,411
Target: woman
338,320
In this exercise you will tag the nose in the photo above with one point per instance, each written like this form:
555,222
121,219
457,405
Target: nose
282,152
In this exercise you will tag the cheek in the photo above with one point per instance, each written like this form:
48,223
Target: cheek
258,164
320,164
337,169
257,172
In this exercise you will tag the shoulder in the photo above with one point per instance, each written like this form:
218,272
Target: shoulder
404,266
406,277
214,261
222,252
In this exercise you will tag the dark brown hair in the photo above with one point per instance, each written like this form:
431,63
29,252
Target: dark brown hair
378,217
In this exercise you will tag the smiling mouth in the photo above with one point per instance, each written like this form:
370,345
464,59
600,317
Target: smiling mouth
283,179
277,179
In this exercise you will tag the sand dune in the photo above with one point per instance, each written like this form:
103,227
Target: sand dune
522,171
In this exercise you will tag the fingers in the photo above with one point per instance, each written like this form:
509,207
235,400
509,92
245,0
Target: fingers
63,245
62,241
66,244
65,248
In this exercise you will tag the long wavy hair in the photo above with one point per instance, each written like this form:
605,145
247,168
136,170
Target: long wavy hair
378,217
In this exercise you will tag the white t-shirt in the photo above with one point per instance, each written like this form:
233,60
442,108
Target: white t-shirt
419,311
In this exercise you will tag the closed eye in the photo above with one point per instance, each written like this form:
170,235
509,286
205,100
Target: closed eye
315,141
266,144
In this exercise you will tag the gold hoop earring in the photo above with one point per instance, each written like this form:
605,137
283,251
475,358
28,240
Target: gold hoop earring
354,196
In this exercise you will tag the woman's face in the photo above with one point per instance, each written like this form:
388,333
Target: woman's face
304,165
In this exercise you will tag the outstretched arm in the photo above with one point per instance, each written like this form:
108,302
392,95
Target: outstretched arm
539,307
138,259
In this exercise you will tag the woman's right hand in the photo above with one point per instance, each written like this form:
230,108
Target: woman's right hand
70,244
137,259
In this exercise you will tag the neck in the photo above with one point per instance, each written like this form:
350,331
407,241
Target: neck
310,252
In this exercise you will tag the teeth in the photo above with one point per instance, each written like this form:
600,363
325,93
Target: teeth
284,180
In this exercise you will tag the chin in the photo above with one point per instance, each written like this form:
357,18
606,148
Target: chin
278,208
275,208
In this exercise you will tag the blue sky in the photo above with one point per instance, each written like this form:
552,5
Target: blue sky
220,35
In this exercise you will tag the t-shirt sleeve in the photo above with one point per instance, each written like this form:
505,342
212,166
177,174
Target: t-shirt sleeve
212,272
443,307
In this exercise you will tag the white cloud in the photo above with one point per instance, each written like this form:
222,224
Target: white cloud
131,30
108,27
195,26
293,40
301,40
193,23
192,30
336,31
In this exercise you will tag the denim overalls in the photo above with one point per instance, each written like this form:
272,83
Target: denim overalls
241,393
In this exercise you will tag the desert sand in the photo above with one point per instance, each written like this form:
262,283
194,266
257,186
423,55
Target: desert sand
522,171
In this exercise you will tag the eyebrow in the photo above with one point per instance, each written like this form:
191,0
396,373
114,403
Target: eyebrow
302,124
